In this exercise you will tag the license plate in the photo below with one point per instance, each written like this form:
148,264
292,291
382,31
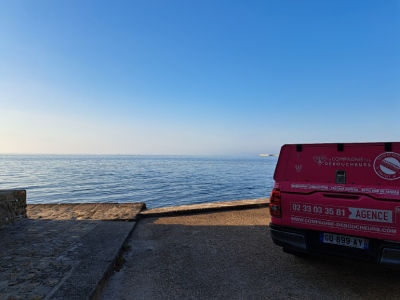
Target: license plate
344,240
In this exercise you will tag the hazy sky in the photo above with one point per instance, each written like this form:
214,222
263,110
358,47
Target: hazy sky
196,76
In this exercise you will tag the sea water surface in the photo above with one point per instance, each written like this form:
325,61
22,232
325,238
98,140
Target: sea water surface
158,181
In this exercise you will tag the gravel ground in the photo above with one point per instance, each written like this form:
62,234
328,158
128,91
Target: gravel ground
230,255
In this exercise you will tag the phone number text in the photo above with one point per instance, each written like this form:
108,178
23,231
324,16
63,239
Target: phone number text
319,209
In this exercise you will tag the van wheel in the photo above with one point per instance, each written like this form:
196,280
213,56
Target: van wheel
296,253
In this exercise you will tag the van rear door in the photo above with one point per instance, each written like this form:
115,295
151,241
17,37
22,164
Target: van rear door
351,189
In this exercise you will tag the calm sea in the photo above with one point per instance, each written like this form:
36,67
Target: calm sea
156,180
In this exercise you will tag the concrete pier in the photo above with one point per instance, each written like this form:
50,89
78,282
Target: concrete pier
68,251
205,251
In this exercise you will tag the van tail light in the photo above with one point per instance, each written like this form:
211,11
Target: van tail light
275,204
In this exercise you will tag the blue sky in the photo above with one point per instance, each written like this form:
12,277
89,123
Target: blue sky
196,77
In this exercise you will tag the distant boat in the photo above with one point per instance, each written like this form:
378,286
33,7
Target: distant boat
268,155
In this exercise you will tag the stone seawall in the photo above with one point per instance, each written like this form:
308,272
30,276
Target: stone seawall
12,206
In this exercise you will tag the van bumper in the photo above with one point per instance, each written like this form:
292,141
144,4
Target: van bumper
391,257
295,241
299,241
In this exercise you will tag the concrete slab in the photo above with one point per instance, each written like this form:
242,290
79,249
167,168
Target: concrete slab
97,257
63,251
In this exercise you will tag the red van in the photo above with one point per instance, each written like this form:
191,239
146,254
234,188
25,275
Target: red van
341,199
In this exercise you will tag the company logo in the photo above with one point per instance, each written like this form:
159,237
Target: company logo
298,168
319,159
387,165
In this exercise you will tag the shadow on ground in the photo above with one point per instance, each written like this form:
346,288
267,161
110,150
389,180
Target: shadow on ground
230,255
